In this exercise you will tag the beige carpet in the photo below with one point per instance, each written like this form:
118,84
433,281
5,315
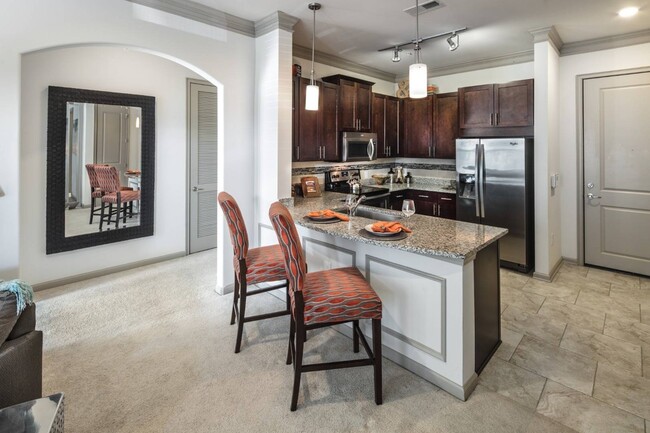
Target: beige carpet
150,350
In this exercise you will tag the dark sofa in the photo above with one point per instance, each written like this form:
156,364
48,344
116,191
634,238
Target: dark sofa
21,353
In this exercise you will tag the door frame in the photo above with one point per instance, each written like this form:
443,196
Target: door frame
580,163
188,155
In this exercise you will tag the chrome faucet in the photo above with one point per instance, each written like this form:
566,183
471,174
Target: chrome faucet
353,207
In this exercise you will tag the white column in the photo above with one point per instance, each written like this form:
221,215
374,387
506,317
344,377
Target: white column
547,200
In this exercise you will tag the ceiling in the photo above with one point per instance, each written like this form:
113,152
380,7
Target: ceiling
356,29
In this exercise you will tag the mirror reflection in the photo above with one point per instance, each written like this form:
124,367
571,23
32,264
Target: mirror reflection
103,167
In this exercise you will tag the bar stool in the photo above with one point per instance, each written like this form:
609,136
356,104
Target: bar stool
325,298
252,266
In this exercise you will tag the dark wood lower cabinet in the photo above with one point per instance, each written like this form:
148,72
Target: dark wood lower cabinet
428,203
487,309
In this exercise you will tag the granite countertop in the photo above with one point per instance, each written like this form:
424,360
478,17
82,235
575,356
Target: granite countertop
434,237
419,187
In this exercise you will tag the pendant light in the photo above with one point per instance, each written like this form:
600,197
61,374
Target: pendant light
311,95
418,70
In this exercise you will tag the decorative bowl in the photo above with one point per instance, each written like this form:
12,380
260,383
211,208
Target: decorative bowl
380,179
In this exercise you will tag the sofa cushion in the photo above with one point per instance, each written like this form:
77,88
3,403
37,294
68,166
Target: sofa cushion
8,316
26,323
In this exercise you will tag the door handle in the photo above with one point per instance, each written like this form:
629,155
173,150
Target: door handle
196,188
591,196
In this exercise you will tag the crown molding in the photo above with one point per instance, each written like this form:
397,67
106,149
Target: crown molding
202,13
274,21
549,34
338,62
606,43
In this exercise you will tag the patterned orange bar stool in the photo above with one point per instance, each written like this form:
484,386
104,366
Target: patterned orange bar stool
252,266
325,298
113,194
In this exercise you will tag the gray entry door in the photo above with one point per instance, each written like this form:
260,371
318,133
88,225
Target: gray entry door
203,166
616,179
112,137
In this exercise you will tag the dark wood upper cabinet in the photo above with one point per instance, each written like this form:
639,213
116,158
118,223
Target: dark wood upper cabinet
315,133
446,125
355,100
497,110
385,121
416,127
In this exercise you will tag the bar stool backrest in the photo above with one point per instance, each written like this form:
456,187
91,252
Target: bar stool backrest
236,225
294,256
108,178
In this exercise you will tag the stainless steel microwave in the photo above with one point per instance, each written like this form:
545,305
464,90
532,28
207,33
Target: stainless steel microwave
358,146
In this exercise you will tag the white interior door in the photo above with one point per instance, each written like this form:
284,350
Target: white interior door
203,167
616,172
112,137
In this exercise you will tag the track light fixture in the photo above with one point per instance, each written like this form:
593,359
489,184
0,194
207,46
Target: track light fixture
396,52
453,41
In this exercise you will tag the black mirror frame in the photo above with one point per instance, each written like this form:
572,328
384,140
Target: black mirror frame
58,97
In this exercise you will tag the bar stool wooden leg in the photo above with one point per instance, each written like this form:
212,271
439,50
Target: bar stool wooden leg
376,351
355,336
235,294
242,313
292,333
297,366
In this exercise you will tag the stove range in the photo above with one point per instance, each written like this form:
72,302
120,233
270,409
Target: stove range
338,181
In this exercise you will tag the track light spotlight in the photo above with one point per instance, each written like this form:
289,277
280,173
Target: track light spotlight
396,52
453,41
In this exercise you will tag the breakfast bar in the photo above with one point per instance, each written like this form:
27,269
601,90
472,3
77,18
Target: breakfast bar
439,285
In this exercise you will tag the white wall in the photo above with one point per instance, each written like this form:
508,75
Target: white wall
226,59
320,70
116,70
618,59
500,74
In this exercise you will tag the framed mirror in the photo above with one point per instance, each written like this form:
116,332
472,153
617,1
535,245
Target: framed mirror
100,168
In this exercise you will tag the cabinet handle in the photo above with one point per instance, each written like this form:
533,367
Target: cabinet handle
498,118
446,198
298,157
491,119
423,196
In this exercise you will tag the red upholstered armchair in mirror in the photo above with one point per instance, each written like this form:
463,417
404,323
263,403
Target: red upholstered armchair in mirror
113,194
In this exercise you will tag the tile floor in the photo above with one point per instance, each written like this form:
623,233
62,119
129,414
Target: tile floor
577,349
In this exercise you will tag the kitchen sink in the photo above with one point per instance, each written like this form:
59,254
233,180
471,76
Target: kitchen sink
372,214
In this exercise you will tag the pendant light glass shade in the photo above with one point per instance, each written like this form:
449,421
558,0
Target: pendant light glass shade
418,81
311,98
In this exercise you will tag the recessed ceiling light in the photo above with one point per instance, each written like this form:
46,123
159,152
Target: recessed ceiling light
628,12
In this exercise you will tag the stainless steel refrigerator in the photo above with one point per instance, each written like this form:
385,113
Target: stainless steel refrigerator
495,187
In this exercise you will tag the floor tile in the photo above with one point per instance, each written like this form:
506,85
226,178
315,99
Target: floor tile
555,290
503,306
614,277
602,348
645,283
628,330
542,424
623,390
583,283
583,317
513,382
509,341
537,326
521,300
625,293
646,361
513,279
607,304
645,315
572,268
584,413
567,368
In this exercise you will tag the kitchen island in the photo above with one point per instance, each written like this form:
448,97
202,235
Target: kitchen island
439,287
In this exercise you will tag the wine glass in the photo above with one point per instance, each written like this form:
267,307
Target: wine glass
408,208
350,202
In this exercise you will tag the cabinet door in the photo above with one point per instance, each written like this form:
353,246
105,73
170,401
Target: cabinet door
446,206
514,103
476,106
347,108
396,200
328,122
308,142
378,123
424,201
391,125
418,119
446,125
364,102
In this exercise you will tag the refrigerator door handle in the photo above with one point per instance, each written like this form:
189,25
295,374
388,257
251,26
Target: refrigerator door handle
482,181
477,166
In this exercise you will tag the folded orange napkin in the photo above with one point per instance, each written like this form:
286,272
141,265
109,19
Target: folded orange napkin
389,227
328,213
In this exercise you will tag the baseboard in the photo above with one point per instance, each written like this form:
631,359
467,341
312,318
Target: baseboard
572,261
106,271
549,277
